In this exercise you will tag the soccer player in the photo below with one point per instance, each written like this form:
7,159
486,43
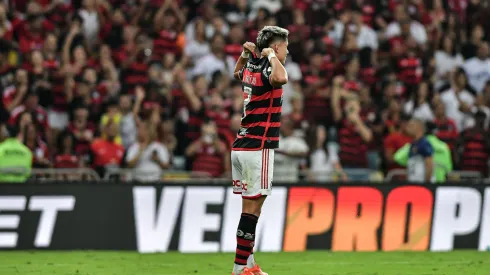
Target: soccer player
420,166
252,155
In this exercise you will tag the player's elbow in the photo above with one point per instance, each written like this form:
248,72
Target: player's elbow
279,80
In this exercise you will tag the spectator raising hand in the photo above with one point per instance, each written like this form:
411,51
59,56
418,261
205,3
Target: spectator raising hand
84,71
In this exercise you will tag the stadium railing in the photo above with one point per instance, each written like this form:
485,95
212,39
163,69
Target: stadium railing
453,176
48,174
74,175
169,176
179,176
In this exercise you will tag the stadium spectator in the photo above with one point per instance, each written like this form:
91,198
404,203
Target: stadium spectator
417,30
6,29
217,60
32,140
447,59
198,47
419,104
474,146
458,100
83,130
128,122
66,156
445,128
73,65
470,48
147,157
323,160
354,137
292,150
31,105
394,141
106,151
208,154
478,68
13,95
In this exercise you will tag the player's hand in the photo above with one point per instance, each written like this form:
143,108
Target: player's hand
249,47
267,51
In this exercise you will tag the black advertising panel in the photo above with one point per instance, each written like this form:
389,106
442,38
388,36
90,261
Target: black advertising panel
197,218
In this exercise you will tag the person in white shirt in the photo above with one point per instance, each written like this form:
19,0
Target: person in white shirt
198,47
288,156
324,160
217,60
418,107
458,100
417,30
147,157
91,20
292,87
447,59
366,36
128,123
478,68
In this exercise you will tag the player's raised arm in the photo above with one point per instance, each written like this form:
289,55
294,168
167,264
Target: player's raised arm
248,49
278,76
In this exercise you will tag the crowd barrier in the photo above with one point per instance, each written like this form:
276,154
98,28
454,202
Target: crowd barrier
198,217
180,176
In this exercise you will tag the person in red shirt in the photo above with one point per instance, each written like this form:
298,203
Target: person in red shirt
394,141
106,153
446,129
66,156
209,154
83,131
235,39
39,149
13,95
31,105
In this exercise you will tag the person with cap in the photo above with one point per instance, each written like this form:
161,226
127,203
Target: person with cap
443,163
15,157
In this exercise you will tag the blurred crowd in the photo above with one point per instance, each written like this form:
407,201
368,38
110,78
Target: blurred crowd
147,84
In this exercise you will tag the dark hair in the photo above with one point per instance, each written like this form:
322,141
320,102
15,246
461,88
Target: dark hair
453,52
61,138
5,46
270,34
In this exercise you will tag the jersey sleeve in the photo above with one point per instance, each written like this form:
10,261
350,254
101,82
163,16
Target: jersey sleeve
425,149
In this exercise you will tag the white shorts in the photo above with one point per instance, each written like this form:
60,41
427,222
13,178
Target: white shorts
252,172
57,120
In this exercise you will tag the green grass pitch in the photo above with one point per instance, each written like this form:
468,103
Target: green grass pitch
307,263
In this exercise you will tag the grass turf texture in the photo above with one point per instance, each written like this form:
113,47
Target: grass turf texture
307,263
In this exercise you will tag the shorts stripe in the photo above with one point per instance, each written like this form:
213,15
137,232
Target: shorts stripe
263,170
267,170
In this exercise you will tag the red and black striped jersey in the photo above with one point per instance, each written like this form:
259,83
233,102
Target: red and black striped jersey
475,151
165,42
261,118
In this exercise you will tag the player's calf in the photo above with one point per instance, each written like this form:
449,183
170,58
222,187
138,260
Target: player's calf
245,237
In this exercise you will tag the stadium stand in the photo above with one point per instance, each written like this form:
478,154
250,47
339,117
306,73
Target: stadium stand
103,89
